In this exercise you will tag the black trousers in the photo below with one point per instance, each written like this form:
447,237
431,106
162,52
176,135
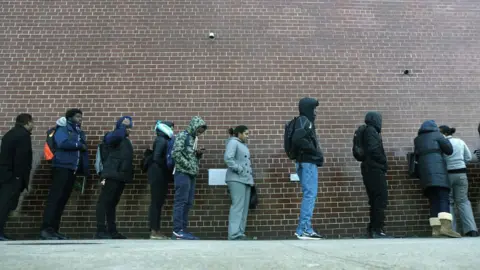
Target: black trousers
375,182
60,191
158,192
9,194
438,198
107,205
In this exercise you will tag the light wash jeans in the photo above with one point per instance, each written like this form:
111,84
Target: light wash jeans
459,199
308,174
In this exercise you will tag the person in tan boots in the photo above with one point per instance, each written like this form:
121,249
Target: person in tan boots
430,145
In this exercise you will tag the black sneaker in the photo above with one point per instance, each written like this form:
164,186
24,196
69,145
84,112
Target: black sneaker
309,236
379,234
472,234
49,234
102,235
117,235
61,236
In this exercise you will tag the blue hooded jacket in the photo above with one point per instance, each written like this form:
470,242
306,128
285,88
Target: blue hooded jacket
120,132
69,139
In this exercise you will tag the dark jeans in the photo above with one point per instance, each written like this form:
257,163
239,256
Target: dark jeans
107,205
375,182
9,193
158,192
60,191
184,194
438,198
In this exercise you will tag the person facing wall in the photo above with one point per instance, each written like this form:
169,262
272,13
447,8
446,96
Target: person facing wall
430,146
457,175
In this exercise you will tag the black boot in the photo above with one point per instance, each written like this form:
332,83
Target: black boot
61,236
49,234
5,238
472,234
102,235
379,234
117,235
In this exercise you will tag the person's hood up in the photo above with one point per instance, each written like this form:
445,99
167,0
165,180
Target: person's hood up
306,107
374,119
120,120
428,126
164,128
62,122
195,124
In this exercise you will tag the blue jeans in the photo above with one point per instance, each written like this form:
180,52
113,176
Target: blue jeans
183,201
439,200
308,174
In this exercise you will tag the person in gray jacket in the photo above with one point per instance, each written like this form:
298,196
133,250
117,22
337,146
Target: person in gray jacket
239,179
457,174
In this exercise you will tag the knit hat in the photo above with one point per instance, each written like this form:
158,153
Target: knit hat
164,128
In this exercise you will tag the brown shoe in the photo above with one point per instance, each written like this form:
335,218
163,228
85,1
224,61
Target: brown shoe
157,236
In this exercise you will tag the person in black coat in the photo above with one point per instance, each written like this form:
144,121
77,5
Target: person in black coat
15,166
117,171
430,145
159,175
374,169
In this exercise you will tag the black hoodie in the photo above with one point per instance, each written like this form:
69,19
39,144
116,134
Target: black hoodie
374,152
305,137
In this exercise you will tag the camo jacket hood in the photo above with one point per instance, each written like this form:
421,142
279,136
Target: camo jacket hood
185,146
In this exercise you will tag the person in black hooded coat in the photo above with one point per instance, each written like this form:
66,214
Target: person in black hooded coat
308,158
159,176
374,169
430,145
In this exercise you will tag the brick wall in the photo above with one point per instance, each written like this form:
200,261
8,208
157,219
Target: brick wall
153,60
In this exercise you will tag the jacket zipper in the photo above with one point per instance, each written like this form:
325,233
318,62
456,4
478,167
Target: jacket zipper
78,156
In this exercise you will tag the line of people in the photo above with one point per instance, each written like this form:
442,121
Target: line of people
441,163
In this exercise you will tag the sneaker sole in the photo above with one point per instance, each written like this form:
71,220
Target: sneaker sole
307,238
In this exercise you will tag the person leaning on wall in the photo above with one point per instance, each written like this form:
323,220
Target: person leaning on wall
457,175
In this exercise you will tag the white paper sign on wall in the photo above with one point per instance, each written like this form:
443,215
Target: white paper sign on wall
216,177
294,177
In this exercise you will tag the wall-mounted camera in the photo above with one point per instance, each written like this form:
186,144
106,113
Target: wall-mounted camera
211,35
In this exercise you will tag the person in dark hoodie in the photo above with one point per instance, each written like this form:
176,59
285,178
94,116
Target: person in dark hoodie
187,158
70,160
308,158
430,145
117,170
15,166
159,176
374,169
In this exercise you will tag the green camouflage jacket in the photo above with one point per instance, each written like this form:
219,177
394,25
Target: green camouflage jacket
186,160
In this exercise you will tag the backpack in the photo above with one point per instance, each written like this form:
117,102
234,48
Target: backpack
100,157
358,143
170,161
412,165
146,160
287,139
49,147
171,143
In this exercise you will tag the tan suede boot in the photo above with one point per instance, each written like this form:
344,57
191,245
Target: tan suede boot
446,225
435,224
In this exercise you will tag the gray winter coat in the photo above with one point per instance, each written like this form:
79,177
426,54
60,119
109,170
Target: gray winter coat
237,158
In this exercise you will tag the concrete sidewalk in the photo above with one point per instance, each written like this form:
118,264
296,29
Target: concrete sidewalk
294,254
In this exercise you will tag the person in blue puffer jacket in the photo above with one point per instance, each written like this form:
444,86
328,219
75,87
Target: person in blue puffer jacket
70,160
